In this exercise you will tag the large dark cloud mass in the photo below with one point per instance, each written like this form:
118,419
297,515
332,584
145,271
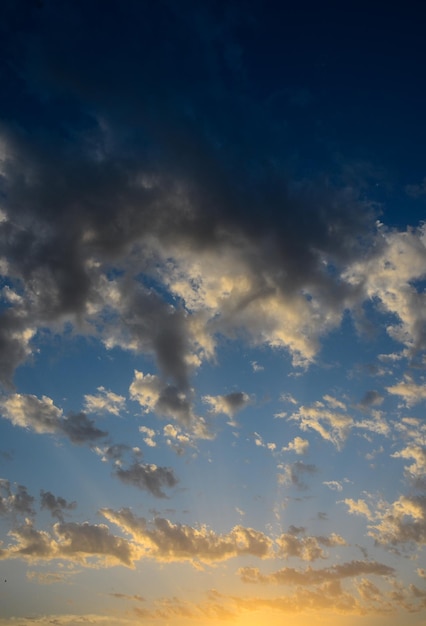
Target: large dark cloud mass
123,150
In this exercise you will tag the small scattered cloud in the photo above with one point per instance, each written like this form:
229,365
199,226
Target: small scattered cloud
298,445
307,548
148,477
148,436
293,473
55,504
359,507
104,402
334,485
229,404
371,398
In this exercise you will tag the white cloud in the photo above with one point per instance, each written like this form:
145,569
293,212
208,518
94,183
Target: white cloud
411,392
104,402
149,436
298,445
332,426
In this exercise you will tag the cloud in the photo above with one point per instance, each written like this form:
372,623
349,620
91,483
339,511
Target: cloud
408,390
305,547
149,435
167,401
228,404
55,504
292,473
298,445
42,417
358,507
104,402
332,426
388,274
310,576
148,477
166,541
78,543
371,398
15,500
417,470
334,485
401,523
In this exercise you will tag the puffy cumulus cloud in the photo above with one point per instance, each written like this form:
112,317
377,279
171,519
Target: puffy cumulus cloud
55,504
148,436
409,391
298,445
167,401
228,404
147,477
42,416
311,576
177,439
293,473
307,548
401,523
15,500
88,544
104,402
146,390
165,541
389,274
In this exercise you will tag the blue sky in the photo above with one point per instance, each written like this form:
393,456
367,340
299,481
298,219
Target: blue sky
212,335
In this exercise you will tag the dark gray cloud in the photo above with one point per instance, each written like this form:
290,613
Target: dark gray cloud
148,477
15,500
82,192
294,473
371,398
55,504
80,429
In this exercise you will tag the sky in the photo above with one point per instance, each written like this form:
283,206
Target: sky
212,313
